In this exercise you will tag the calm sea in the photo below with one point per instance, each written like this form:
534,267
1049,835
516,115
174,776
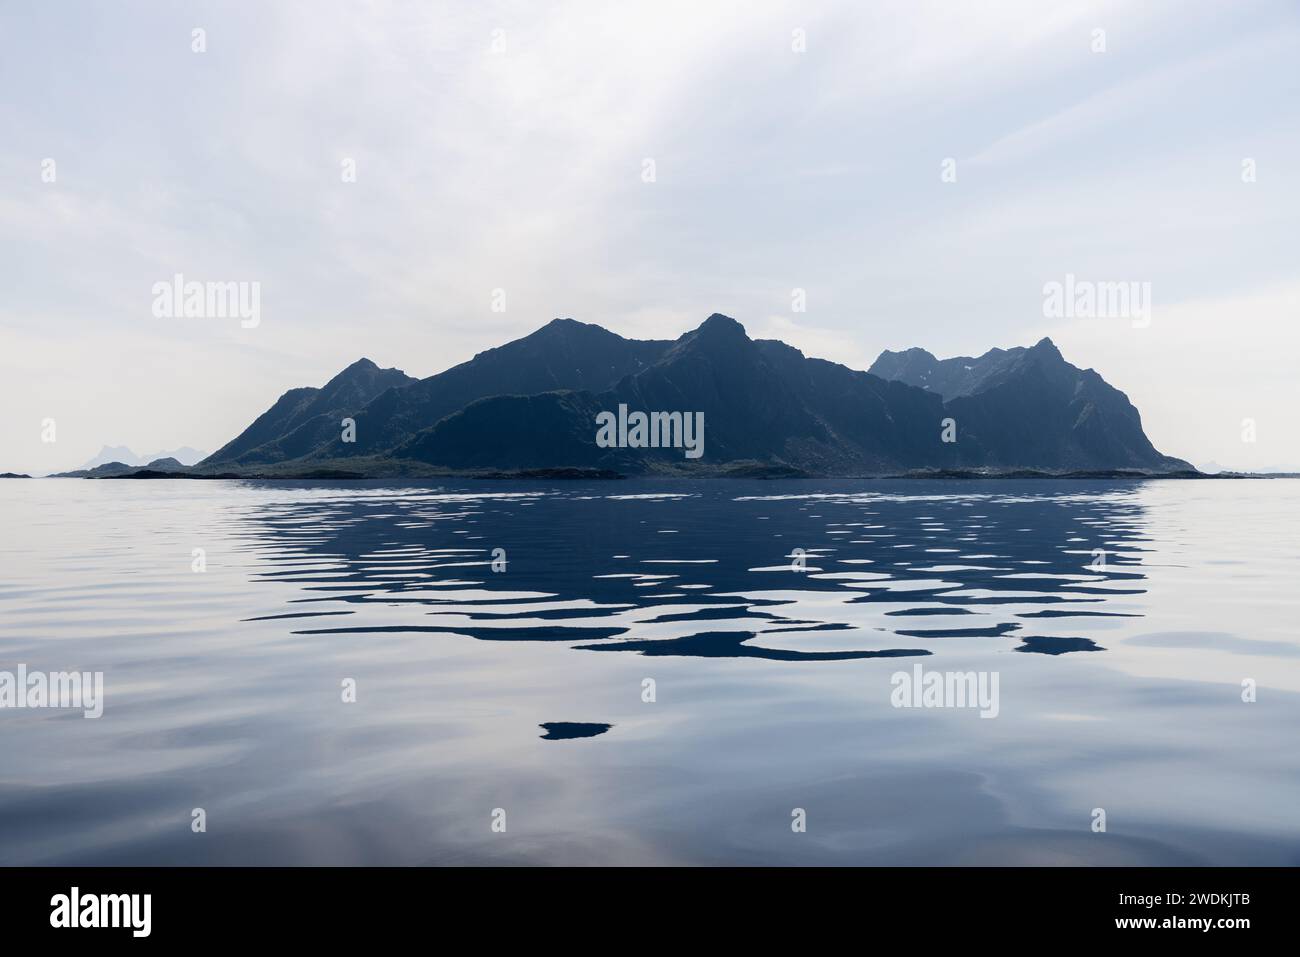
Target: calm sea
654,672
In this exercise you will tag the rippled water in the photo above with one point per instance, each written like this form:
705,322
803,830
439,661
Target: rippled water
1121,620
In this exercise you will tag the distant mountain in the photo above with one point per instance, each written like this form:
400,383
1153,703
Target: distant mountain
767,409
120,453
114,453
1214,468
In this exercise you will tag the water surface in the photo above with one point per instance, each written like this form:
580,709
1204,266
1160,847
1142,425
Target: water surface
768,618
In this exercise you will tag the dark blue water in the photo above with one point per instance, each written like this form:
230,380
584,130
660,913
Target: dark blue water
652,672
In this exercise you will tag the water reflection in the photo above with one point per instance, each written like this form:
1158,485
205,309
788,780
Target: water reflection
565,730
754,570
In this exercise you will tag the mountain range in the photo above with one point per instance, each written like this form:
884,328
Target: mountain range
534,406
121,454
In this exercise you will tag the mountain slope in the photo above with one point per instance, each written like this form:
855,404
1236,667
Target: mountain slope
534,404
303,419
563,354
1028,407
761,402
950,378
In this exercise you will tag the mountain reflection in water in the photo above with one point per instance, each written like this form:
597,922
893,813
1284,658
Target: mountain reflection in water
601,569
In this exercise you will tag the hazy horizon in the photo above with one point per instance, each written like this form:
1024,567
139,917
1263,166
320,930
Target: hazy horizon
382,171
143,459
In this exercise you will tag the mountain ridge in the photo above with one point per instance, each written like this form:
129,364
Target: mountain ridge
122,454
304,418
531,404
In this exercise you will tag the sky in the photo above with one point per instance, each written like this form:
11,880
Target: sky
920,171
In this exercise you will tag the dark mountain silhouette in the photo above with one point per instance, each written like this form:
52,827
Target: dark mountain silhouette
533,404
1030,408
304,419
167,464
563,354
762,401
184,455
103,470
